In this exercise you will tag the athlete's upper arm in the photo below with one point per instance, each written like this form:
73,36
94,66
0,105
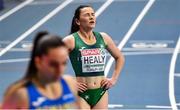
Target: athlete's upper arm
69,41
111,47
73,86
71,83
15,100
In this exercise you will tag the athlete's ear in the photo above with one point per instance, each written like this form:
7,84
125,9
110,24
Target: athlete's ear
77,21
37,62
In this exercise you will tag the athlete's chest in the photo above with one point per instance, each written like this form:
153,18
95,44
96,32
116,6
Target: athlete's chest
92,59
63,102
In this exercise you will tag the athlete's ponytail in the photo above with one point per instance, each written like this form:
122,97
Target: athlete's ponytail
74,25
32,70
42,43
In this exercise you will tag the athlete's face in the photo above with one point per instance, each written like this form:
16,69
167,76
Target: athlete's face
87,19
53,64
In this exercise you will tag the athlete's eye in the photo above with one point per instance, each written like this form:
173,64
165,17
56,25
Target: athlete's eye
87,14
64,63
53,64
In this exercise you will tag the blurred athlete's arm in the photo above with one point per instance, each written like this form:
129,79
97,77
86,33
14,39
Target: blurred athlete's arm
119,61
17,99
73,86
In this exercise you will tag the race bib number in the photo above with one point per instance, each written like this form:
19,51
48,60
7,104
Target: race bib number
93,60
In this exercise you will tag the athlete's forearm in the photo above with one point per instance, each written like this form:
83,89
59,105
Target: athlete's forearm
119,63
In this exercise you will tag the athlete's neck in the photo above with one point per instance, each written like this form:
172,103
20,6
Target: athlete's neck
48,88
43,81
87,34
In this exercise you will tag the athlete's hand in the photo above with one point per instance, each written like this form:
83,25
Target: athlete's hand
81,87
108,83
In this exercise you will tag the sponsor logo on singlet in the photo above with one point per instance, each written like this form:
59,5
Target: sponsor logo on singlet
40,100
67,96
93,60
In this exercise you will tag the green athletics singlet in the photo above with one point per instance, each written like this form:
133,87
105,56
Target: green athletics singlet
88,60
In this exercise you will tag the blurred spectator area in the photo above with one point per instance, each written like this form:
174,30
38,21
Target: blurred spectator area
6,5
1,4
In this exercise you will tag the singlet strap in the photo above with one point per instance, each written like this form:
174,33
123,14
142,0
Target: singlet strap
65,86
32,94
100,38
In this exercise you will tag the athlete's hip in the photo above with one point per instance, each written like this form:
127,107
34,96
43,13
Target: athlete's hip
91,82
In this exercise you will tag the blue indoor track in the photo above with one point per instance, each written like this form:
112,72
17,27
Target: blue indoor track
145,80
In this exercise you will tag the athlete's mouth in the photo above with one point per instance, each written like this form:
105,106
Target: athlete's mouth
91,22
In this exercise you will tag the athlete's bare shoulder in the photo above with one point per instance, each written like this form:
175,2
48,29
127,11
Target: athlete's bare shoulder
106,37
69,41
15,97
71,83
